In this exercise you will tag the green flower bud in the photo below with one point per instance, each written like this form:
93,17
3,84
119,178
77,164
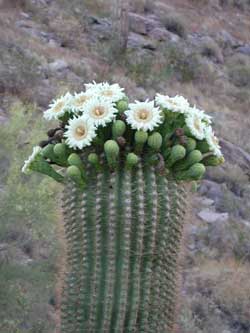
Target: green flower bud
74,159
111,149
155,141
131,160
118,128
190,144
203,146
193,157
74,173
195,172
93,158
213,160
48,152
178,152
141,137
122,105
60,149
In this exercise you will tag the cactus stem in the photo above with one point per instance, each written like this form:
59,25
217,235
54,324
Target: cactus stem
149,244
137,233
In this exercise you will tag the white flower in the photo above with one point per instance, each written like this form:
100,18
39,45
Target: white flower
212,141
93,87
112,92
100,111
79,100
195,125
143,115
174,104
80,132
200,113
26,167
58,107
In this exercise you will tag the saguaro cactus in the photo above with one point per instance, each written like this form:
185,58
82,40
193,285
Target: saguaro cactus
124,203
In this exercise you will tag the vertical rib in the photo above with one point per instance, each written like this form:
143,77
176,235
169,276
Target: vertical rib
149,248
137,232
158,301
97,253
169,265
122,274
108,278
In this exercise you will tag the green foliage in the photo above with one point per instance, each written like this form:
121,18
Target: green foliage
28,216
175,24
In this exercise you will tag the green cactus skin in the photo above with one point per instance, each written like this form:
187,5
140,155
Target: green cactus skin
123,234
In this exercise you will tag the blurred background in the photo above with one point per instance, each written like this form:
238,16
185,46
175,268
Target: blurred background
197,48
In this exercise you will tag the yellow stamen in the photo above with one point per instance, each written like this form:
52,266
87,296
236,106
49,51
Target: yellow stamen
143,114
80,132
108,93
99,111
197,124
58,107
81,100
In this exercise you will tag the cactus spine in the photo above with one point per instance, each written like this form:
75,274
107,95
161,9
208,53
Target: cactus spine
123,243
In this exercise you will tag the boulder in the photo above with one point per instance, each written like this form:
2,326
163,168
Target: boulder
211,190
235,155
244,50
58,65
141,24
161,34
226,40
211,216
139,41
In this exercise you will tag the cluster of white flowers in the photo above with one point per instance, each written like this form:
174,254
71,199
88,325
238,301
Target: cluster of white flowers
96,107
90,109
197,121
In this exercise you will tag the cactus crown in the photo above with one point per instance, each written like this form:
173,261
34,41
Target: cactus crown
167,132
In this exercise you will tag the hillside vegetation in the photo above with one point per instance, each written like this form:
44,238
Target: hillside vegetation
197,48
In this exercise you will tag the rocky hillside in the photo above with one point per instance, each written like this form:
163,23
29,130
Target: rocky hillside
197,48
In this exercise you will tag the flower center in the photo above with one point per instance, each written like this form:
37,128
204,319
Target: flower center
143,114
108,93
80,132
58,107
81,100
215,140
197,124
99,111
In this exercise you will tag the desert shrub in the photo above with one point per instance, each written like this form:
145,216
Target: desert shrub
28,216
240,4
18,68
232,294
240,75
174,23
142,6
210,48
217,296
